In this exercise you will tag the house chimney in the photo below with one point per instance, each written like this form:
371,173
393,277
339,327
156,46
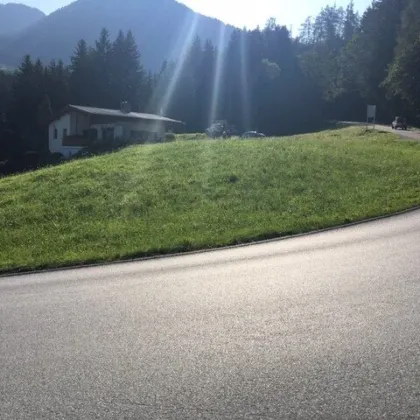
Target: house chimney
125,107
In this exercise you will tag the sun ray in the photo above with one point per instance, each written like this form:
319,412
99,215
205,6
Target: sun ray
245,102
186,37
216,90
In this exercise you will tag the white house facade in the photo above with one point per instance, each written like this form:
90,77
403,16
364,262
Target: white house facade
77,126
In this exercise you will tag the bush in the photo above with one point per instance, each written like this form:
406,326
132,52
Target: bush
52,158
193,136
103,146
30,161
4,168
11,145
169,137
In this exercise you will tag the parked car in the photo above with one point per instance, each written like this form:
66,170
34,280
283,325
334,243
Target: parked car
252,134
399,123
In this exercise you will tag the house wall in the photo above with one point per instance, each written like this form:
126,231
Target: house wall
79,123
118,129
74,123
152,130
56,144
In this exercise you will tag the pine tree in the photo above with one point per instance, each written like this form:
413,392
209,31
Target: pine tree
135,82
148,89
306,33
6,82
204,80
102,68
351,23
127,75
119,70
82,75
27,95
57,85
236,102
180,98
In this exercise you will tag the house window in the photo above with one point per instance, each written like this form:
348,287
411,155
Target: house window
64,133
55,134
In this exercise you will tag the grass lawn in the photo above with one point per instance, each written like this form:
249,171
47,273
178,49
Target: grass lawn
191,194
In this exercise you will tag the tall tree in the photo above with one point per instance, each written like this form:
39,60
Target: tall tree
351,23
204,85
57,84
102,64
134,86
126,75
403,80
306,33
6,83
82,75
180,98
27,94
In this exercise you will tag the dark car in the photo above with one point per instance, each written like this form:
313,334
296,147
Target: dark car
252,134
399,123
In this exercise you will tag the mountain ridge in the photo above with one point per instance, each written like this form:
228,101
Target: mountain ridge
161,27
16,17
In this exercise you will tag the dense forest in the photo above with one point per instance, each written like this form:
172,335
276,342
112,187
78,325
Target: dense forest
264,80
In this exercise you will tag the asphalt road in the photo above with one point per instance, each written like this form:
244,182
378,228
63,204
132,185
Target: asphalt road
324,326
407,135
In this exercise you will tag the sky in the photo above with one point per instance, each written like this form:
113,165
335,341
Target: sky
249,13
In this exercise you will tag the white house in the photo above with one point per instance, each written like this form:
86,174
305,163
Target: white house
77,126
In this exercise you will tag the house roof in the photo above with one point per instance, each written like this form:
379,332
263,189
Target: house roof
116,113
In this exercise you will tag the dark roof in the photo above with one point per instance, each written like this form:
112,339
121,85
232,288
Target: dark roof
116,113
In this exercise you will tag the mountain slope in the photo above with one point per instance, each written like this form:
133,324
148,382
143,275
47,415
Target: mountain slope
161,28
14,18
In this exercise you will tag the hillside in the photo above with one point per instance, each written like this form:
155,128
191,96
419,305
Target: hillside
187,195
161,28
15,18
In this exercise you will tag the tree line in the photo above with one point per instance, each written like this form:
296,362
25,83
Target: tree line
264,79
374,59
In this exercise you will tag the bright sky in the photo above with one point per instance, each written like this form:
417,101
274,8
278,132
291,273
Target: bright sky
240,13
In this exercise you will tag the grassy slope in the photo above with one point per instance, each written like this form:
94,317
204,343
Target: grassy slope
197,194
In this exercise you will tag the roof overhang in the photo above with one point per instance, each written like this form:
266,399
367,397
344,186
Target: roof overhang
115,114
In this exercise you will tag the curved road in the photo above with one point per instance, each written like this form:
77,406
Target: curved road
409,135
324,326
405,135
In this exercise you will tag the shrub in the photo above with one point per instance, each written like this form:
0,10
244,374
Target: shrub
169,137
193,136
53,158
31,160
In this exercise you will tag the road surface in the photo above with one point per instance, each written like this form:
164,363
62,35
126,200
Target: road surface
405,135
409,135
324,326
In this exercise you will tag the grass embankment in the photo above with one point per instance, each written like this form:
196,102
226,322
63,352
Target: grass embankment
198,194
